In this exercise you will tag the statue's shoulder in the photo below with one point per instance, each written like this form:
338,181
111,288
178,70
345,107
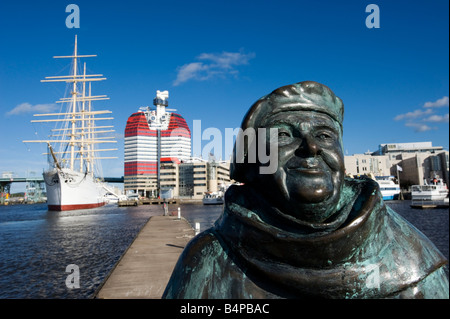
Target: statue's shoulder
198,269
202,245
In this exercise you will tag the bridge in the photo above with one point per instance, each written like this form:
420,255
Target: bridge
35,186
8,180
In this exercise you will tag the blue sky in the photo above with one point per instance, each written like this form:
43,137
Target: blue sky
218,57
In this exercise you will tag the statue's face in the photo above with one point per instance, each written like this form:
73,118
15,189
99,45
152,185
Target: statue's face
310,173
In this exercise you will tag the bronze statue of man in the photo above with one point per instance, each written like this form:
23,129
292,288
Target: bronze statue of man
305,230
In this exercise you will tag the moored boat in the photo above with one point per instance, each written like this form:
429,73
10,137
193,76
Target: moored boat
436,191
430,195
388,188
213,198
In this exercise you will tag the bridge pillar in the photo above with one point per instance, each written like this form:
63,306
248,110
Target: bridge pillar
34,190
5,190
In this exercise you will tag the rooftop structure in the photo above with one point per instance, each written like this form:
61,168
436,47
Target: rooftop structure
415,147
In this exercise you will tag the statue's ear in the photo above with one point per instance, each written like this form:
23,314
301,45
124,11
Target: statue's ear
240,169
244,162
243,166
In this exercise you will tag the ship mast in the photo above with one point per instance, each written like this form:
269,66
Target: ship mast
81,126
74,106
83,119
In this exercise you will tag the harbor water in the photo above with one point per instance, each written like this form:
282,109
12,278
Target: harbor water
39,248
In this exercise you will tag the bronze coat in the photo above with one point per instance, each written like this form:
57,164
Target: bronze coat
254,252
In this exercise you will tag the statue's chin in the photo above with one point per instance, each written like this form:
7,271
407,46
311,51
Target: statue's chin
311,199
312,194
314,206
310,190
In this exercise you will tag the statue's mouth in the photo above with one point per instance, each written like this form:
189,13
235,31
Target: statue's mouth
306,170
309,165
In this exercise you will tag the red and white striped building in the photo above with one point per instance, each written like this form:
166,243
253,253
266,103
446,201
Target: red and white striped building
141,145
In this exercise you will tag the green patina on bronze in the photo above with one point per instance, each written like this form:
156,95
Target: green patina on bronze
306,231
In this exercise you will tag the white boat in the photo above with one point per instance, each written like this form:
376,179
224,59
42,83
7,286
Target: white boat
214,198
388,188
111,198
436,191
73,179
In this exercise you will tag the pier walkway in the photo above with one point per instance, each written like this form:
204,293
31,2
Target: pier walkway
146,267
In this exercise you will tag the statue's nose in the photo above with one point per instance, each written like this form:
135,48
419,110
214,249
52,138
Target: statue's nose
308,147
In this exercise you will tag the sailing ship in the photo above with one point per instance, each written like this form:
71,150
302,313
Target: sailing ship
73,179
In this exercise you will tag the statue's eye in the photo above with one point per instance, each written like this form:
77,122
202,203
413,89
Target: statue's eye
283,134
324,136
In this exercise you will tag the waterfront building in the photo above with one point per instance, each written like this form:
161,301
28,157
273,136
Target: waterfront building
192,178
363,164
422,168
419,162
153,137
158,158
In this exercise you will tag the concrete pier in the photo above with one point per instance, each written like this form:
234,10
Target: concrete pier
145,268
147,201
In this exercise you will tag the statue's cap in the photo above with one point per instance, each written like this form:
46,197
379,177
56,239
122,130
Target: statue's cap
302,96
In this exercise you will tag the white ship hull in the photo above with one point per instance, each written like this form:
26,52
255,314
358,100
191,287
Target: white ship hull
429,192
213,199
70,190
389,190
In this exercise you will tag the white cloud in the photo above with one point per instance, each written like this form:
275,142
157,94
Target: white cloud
412,115
226,60
419,127
28,108
437,118
438,103
418,119
190,71
213,65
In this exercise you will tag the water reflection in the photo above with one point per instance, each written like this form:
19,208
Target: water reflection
37,245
